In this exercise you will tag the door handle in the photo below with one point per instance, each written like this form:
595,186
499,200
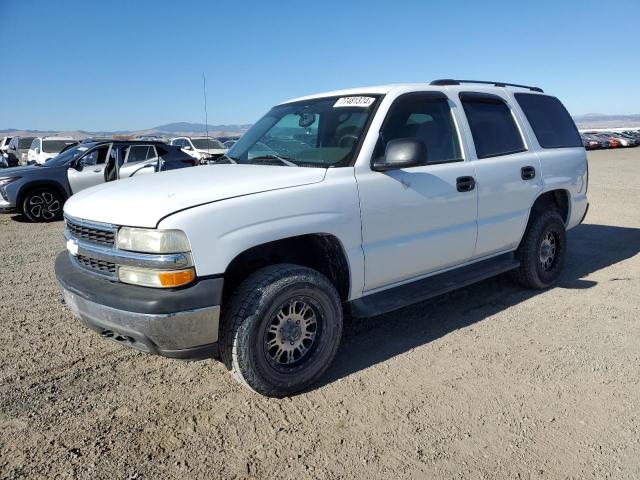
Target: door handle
97,170
527,173
465,184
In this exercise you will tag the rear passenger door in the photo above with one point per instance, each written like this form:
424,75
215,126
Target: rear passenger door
140,159
507,173
421,219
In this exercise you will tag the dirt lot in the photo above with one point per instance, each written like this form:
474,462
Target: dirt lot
488,382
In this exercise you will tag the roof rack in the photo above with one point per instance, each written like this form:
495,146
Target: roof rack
450,81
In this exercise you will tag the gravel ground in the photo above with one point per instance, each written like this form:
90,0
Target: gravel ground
487,382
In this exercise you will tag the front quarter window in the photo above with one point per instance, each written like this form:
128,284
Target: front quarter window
323,132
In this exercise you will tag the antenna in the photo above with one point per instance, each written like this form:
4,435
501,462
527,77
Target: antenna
206,116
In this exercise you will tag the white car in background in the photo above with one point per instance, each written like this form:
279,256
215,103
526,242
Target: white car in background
44,148
202,148
4,145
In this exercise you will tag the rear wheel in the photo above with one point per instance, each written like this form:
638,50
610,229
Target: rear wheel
281,329
542,251
42,205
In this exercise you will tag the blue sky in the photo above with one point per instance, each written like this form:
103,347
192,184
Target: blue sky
135,64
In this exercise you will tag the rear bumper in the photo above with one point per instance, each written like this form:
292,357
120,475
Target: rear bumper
180,323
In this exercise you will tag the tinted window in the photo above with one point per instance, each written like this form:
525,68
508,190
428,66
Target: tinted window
550,121
204,143
426,118
139,153
493,128
25,142
55,146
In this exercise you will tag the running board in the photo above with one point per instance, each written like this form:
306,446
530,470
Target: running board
421,290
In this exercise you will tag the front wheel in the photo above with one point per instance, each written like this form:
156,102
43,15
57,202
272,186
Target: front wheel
42,205
542,251
281,329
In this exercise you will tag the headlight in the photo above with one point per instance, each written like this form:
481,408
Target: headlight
7,181
152,241
156,278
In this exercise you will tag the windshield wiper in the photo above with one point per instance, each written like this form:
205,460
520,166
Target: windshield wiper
286,161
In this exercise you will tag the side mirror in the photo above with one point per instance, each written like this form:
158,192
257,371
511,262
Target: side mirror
79,165
401,153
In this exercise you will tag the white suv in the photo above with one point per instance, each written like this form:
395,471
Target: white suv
366,199
202,148
44,148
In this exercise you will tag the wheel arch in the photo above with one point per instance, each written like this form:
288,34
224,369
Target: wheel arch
558,199
30,187
320,251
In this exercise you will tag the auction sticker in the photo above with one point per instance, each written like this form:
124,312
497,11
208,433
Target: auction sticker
354,102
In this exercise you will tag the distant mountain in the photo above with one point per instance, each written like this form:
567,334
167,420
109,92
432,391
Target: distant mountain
199,128
590,120
599,120
168,130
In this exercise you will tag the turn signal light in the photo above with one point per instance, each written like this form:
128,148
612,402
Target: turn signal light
156,278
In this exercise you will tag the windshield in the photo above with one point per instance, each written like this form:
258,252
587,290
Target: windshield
322,133
206,143
67,156
55,146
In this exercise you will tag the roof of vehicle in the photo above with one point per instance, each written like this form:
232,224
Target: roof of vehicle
465,85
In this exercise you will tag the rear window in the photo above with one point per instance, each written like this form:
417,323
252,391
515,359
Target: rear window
493,128
550,121
55,146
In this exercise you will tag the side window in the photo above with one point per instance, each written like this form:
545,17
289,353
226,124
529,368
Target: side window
151,153
550,121
425,117
492,125
34,144
95,157
138,153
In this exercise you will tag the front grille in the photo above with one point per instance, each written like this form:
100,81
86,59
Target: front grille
91,233
98,266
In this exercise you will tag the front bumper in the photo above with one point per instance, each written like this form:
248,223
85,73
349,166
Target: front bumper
6,207
178,323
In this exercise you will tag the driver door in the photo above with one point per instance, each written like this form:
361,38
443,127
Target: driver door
89,169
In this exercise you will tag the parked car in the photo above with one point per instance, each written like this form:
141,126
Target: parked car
17,153
377,198
39,191
151,138
623,140
4,145
202,148
44,148
626,139
590,143
613,141
604,143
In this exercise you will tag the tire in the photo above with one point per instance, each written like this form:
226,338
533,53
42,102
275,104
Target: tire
282,308
541,252
42,205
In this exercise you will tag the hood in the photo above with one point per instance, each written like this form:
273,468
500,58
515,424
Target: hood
23,170
214,151
143,201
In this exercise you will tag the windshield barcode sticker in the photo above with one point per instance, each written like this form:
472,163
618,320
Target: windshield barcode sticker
354,102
